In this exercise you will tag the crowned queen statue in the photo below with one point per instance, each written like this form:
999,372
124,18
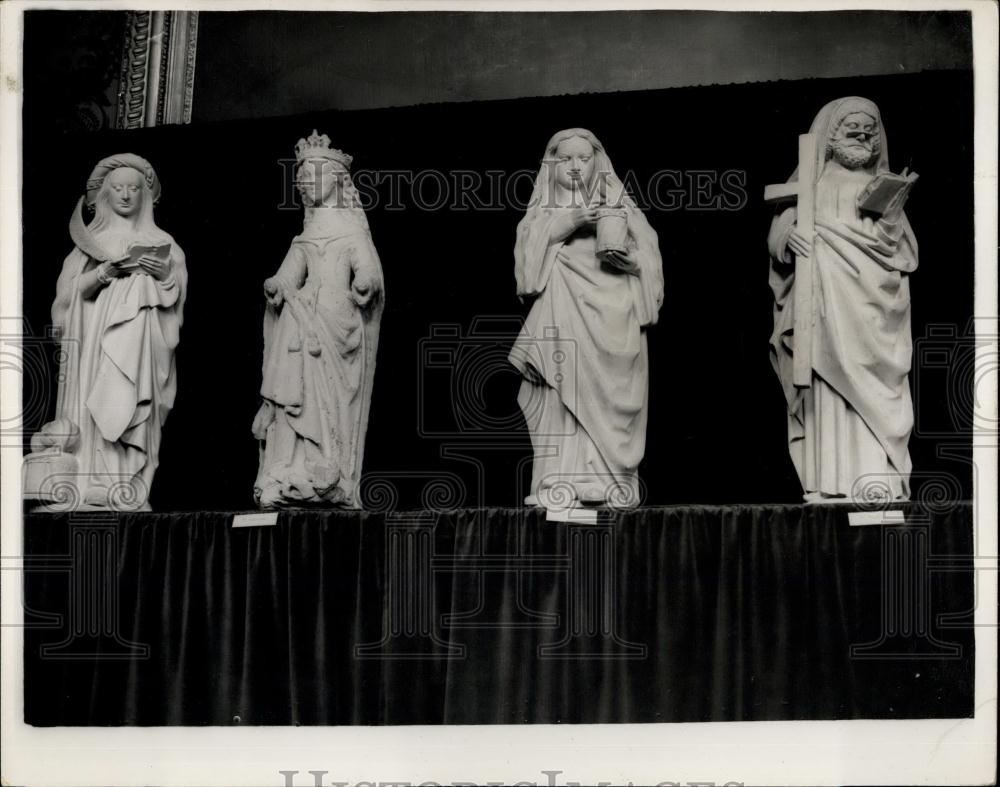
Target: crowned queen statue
321,329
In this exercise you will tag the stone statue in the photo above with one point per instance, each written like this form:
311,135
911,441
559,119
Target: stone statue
117,313
321,329
841,344
590,261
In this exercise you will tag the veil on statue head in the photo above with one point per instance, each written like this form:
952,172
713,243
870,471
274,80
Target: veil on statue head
91,240
604,172
828,120
81,233
532,230
108,165
825,124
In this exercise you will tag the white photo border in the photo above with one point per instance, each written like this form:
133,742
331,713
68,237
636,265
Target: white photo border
752,753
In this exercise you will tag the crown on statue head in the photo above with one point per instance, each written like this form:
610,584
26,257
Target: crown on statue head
317,145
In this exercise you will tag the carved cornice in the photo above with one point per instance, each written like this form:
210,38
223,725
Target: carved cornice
157,73
132,82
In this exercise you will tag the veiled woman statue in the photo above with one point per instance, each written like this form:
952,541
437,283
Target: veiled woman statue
320,336
848,430
590,260
118,312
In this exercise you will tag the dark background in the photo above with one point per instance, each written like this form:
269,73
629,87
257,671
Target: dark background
745,613
748,611
717,424
268,63
263,63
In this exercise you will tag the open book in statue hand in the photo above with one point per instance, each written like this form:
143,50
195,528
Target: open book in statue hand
884,189
130,263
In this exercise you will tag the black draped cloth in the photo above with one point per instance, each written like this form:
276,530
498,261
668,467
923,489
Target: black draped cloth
497,616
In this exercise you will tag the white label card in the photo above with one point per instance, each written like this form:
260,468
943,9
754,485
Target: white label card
859,518
255,520
581,516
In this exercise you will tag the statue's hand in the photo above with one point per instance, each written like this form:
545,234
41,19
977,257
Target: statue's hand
621,261
158,269
361,298
798,243
894,210
263,419
571,220
107,271
362,292
273,292
581,216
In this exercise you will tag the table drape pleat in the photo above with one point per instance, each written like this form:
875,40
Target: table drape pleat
494,616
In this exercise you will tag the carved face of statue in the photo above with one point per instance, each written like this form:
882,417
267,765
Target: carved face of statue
125,191
574,162
317,180
854,143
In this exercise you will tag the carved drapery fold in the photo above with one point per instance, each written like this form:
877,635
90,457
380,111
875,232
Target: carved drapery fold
157,74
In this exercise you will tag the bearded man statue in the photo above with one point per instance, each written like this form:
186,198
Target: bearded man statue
848,430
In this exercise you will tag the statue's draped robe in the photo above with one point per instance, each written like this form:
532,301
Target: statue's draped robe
582,354
117,371
319,363
848,432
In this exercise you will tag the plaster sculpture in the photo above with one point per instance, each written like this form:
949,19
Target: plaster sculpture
589,261
321,329
117,314
841,257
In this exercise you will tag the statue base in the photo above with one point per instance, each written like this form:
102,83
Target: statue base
50,476
53,479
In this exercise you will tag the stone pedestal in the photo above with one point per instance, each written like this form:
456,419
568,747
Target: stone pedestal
51,476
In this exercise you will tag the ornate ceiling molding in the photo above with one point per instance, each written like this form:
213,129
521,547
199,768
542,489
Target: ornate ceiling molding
157,74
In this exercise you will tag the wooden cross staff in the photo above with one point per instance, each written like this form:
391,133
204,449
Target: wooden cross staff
804,190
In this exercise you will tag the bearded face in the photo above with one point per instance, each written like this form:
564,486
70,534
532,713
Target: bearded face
855,143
